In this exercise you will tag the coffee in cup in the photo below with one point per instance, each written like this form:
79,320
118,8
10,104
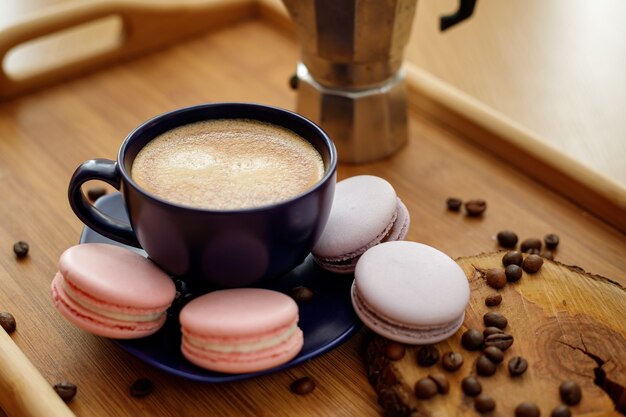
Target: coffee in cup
227,164
218,230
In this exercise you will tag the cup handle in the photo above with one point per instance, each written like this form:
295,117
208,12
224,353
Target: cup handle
101,170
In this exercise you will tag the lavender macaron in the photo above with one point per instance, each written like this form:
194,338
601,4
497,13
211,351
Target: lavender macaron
410,292
366,212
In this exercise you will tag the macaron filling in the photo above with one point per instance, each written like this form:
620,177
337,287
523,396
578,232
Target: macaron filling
106,309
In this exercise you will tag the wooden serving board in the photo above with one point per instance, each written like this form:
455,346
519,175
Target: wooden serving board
568,324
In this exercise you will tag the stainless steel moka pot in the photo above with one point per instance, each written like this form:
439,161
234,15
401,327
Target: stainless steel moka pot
349,78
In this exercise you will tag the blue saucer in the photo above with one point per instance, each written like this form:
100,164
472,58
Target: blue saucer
326,321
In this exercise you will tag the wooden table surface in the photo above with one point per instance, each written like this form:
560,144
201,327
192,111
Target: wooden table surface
46,134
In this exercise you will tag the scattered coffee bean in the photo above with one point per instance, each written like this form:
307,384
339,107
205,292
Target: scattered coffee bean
484,366
66,390
471,386
472,339
570,392
425,388
493,300
301,294
7,321
530,243
395,350
551,240
493,319
502,341
141,387
532,263
517,365
483,403
512,257
513,273
475,208
20,249
451,361
494,354
491,330
427,355
95,193
302,386
533,251
547,254
495,278
294,81
454,204
527,409
561,411
507,239
443,386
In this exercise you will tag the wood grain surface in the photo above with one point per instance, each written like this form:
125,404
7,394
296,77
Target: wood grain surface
564,322
45,135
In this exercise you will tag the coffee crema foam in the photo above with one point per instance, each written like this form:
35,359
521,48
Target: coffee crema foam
227,164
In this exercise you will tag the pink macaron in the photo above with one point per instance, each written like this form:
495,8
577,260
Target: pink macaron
111,291
366,211
240,330
410,292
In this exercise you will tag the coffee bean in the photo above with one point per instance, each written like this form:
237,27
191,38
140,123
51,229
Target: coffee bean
66,390
570,392
141,387
7,321
443,386
517,365
551,240
495,278
395,350
95,193
527,409
533,251
561,411
294,81
547,254
302,386
512,257
454,204
471,386
451,361
301,294
483,403
472,339
494,354
491,330
20,249
530,243
507,239
493,300
502,341
484,366
427,355
475,208
513,273
493,319
425,388
532,263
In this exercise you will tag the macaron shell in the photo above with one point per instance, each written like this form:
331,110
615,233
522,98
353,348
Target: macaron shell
400,227
97,324
117,276
363,208
412,283
238,312
401,332
234,363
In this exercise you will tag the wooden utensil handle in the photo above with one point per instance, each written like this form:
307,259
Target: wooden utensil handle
145,26
23,390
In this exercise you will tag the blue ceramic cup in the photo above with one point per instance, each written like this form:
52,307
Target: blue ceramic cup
212,248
